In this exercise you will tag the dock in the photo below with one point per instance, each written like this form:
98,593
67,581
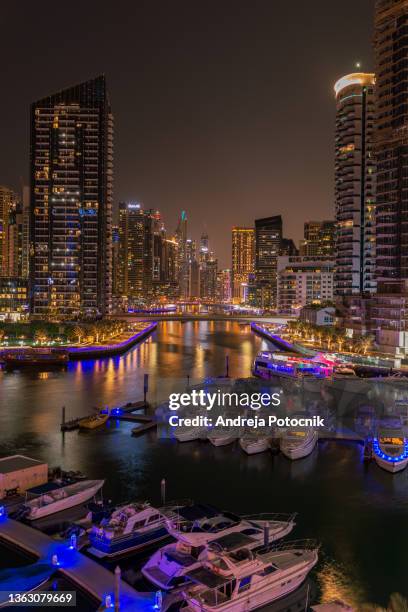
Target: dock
123,413
54,556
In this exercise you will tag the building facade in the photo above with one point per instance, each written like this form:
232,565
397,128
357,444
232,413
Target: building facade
8,203
390,305
318,239
268,240
355,184
243,261
303,281
71,202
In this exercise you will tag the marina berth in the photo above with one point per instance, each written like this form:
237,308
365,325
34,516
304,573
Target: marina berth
244,580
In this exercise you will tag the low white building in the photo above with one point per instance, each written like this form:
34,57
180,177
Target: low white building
318,316
302,281
19,473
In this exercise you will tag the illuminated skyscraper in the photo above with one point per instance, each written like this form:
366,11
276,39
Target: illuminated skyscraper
136,251
243,260
391,148
268,241
355,178
8,203
319,239
71,201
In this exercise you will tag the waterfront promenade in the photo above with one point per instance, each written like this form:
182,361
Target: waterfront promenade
97,581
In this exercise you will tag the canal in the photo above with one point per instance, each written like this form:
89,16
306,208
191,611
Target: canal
357,511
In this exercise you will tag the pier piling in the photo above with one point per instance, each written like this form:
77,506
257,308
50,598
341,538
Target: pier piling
117,588
163,491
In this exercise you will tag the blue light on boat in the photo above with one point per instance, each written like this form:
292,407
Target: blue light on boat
158,601
3,513
388,458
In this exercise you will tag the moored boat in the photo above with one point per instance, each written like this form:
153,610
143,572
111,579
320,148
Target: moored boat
298,442
31,357
130,528
245,580
222,436
390,448
55,498
168,567
253,445
93,421
190,434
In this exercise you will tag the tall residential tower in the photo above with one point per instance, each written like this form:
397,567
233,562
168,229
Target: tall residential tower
355,185
71,201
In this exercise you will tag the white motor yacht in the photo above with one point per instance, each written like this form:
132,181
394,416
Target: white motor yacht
253,445
169,566
245,580
222,436
298,442
190,434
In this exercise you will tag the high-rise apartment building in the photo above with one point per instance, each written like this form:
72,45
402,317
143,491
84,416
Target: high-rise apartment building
71,201
224,286
8,203
136,251
389,309
268,240
243,261
303,281
355,182
319,239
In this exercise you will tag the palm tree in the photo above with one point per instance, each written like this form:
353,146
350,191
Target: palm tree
40,336
365,343
95,331
78,332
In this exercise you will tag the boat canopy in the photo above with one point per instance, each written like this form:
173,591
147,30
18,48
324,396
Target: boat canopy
232,541
209,579
197,512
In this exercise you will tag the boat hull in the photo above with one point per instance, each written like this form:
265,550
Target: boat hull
65,503
222,440
300,451
248,601
256,446
101,548
393,467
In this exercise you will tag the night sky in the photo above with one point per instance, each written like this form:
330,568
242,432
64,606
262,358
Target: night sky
222,107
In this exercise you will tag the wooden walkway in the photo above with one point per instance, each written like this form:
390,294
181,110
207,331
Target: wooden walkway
79,569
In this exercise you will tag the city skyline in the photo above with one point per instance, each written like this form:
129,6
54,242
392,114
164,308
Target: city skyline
176,146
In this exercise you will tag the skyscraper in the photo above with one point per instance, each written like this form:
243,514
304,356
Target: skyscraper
8,202
319,239
355,175
182,265
391,148
136,241
71,201
243,260
268,239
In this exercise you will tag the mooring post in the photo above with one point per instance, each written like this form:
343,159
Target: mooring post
145,387
117,588
163,491
63,415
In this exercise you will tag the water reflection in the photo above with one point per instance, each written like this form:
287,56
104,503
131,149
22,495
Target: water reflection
356,510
